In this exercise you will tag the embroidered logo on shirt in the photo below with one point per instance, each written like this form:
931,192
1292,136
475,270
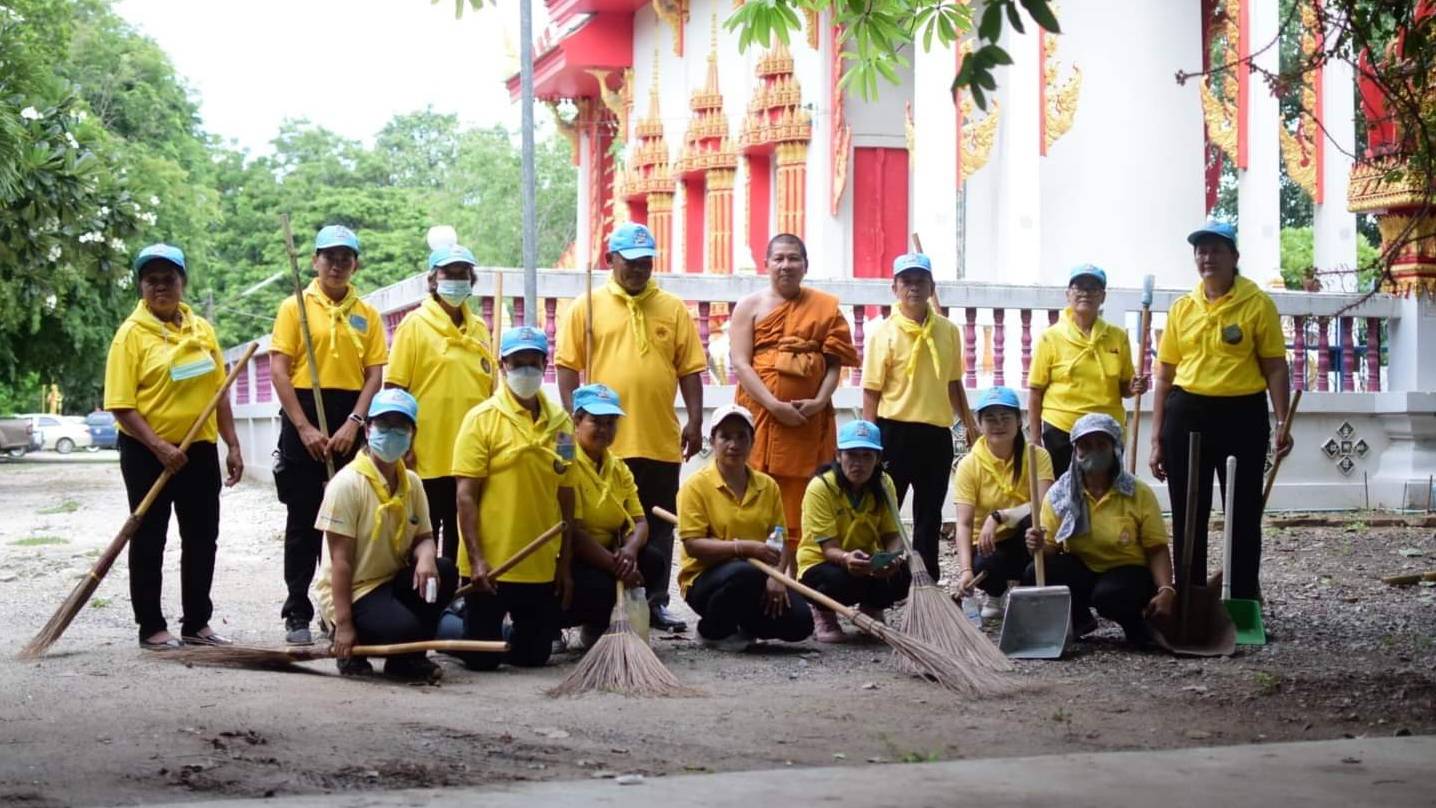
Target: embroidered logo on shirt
1232,334
661,332
359,322
1125,538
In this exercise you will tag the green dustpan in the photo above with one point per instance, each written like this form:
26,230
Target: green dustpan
1246,614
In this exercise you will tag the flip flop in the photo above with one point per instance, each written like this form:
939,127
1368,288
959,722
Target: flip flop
212,638
163,645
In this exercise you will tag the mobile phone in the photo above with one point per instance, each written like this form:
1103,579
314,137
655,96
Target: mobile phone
882,559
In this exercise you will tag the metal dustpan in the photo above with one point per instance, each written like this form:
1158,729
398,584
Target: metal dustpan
1037,623
1245,613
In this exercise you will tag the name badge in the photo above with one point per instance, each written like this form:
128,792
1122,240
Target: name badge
359,322
189,370
1232,334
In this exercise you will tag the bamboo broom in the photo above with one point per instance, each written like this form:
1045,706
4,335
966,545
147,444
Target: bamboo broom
621,662
1144,345
929,662
514,560
934,618
308,342
244,656
1281,436
60,620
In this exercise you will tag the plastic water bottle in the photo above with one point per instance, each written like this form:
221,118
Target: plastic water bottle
970,609
777,537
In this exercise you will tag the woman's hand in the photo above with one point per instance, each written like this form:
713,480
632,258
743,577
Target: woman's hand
775,598
234,464
964,583
625,567
344,638
858,563
425,570
169,456
1036,540
761,551
1157,462
343,439
1137,386
1283,443
987,537
1160,606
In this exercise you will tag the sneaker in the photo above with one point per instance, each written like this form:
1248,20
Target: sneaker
1083,623
560,643
661,618
413,669
993,606
735,643
826,627
354,666
297,633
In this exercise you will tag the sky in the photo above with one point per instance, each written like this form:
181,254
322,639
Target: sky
347,65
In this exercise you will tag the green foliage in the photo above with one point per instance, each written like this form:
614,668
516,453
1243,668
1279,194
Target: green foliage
1298,245
39,541
63,506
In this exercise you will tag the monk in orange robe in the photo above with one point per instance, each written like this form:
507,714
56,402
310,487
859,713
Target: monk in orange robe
788,343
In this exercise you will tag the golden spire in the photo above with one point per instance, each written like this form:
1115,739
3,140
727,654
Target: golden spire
713,57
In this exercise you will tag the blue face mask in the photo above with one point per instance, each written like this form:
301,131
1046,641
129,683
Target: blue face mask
453,292
390,444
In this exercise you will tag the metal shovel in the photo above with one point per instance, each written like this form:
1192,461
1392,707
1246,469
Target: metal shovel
1037,623
1245,614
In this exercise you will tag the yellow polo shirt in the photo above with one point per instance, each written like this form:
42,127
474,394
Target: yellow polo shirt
646,379
348,337
449,370
349,508
828,514
1123,530
913,390
165,372
519,461
707,509
985,482
1215,344
1081,373
606,502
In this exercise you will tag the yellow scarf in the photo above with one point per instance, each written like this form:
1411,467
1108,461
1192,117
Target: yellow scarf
1001,472
533,436
1213,311
1087,343
921,336
604,482
867,518
397,505
439,319
191,336
338,314
637,323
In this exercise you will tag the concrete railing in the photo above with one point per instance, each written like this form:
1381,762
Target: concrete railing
1366,434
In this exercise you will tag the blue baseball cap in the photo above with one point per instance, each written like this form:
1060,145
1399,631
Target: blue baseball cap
394,400
908,261
596,399
632,240
523,338
1214,228
860,434
1089,270
336,235
997,397
160,252
452,254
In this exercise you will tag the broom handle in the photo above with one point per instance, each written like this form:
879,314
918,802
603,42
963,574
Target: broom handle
588,325
308,340
1145,343
1039,561
1228,506
498,313
1189,528
514,560
394,649
1282,435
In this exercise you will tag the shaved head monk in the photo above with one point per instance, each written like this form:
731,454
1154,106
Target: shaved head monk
788,343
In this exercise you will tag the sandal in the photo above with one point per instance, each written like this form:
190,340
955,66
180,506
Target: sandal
212,638
161,645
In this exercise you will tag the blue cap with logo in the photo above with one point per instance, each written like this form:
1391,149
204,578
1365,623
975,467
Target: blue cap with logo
632,240
1214,228
394,400
1087,270
860,434
160,252
596,399
908,261
452,254
336,235
997,397
523,338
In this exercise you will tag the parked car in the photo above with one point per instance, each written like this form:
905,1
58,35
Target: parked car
16,435
103,433
61,433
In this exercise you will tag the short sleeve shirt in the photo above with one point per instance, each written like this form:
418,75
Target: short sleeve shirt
829,514
919,397
708,509
1215,345
342,352
1123,529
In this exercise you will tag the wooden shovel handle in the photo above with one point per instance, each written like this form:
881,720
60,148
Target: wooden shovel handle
1144,345
395,649
1039,561
516,558
1281,438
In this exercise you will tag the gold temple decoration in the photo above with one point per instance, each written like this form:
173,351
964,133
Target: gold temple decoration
675,13
1300,149
620,101
909,136
1060,100
709,153
810,18
1220,91
777,121
841,133
649,176
567,128
977,137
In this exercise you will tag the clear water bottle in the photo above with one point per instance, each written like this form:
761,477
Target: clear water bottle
777,537
971,610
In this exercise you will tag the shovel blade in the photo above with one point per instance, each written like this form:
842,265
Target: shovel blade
1209,631
1246,614
1037,623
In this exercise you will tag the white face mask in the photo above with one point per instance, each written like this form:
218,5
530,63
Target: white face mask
524,382
453,292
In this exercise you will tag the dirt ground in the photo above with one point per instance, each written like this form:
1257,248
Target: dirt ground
98,721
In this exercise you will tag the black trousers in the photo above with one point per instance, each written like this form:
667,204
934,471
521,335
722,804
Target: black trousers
919,456
1008,561
1059,445
299,481
594,592
193,493
729,597
1230,426
534,612
657,485
396,612
858,590
1119,594
442,493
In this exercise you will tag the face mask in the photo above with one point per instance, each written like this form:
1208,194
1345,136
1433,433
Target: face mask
389,444
1095,462
453,292
524,382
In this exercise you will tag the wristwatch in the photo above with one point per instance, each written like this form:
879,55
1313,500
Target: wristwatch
996,515
353,416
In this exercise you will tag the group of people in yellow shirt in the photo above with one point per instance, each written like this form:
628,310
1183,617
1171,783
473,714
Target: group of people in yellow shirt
444,473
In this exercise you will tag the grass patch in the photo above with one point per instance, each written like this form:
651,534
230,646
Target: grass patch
1268,683
65,506
39,541
99,603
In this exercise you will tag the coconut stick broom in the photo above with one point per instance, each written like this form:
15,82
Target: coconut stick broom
934,618
60,620
930,662
621,662
514,560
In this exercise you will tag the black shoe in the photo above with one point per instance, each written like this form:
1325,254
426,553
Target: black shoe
661,618
1083,623
354,666
413,669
